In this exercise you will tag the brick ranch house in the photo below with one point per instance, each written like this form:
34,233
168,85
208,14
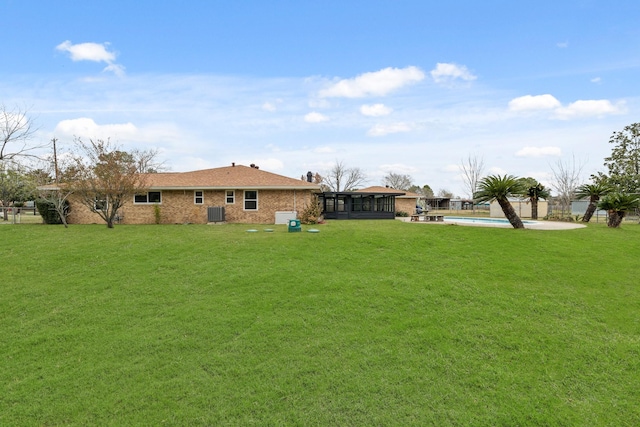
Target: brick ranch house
248,195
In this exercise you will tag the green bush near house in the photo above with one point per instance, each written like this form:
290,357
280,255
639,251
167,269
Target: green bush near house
365,323
48,211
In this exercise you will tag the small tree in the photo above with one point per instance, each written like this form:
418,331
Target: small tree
534,191
500,188
106,178
617,205
593,192
312,212
566,179
424,191
472,169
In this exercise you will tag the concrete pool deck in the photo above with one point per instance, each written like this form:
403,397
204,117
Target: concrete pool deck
529,224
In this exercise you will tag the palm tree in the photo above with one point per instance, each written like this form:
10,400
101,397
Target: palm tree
534,191
617,205
496,187
593,192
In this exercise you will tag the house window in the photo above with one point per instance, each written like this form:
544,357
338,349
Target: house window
251,200
198,197
330,205
100,203
230,197
150,197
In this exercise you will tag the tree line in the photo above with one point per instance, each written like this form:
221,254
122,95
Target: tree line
100,174
103,176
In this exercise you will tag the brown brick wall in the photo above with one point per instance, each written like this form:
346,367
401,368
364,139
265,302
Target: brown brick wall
406,205
178,207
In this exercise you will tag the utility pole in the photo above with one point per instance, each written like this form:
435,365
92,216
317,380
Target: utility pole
55,159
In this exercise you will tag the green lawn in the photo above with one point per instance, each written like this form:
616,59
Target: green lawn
364,323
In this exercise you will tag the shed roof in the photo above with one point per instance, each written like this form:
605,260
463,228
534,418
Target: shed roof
380,189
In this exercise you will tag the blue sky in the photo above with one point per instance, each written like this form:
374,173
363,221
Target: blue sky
411,87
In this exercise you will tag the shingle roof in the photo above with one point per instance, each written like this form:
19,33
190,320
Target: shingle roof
380,189
229,177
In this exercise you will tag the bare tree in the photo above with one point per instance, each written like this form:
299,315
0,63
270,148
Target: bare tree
472,169
444,193
398,181
566,180
342,178
16,130
148,161
106,178
57,193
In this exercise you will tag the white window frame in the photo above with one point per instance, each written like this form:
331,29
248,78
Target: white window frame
245,200
147,202
196,197
231,196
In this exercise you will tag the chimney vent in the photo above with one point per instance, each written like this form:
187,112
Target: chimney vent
309,177
233,164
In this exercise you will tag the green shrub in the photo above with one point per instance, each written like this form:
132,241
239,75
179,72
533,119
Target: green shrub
156,213
402,214
48,211
312,213
560,217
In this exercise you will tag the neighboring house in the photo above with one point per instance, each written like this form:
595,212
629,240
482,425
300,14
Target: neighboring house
406,202
436,203
248,195
521,206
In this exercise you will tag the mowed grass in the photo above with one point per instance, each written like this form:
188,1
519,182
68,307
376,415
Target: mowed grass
364,323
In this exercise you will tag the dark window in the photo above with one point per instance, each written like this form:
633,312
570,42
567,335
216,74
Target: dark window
198,197
150,197
251,200
100,203
230,197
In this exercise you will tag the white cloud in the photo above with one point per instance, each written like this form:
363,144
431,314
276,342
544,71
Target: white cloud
588,108
495,170
95,52
324,150
267,106
596,80
378,83
539,152
451,168
448,72
533,103
315,117
398,168
87,128
271,106
562,45
375,110
382,130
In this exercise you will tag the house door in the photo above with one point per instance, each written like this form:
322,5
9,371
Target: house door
343,207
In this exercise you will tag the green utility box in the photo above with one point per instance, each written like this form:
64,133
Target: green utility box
294,225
